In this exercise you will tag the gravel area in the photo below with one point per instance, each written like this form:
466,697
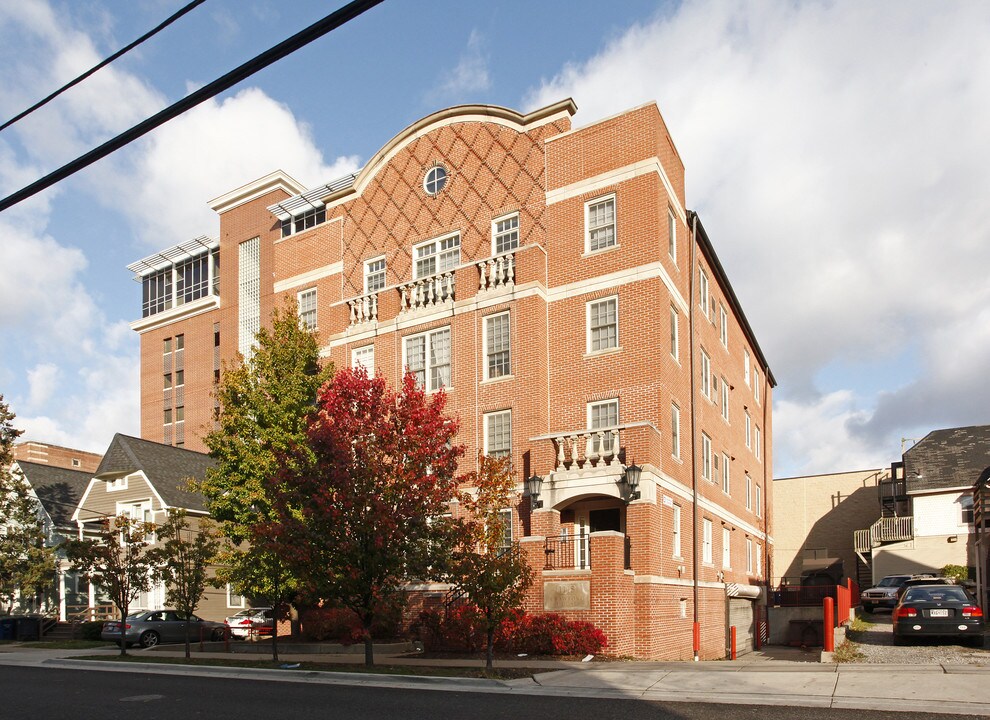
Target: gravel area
877,646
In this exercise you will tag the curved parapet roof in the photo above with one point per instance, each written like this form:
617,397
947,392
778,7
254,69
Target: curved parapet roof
459,113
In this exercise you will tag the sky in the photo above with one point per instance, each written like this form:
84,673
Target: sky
835,151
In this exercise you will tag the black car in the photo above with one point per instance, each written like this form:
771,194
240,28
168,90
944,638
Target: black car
937,611
922,580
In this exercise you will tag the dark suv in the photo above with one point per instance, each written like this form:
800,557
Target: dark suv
884,593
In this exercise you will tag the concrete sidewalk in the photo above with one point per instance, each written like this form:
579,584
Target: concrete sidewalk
776,676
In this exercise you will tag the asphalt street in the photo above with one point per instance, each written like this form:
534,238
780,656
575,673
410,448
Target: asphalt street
29,693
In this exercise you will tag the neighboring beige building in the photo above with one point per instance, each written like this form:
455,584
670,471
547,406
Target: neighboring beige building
817,516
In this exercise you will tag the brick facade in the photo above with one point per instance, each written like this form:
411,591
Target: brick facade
588,287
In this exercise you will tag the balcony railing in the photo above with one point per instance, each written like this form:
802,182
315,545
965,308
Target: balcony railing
426,292
364,309
567,552
497,272
884,530
587,448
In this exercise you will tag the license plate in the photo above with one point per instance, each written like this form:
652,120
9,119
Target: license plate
938,613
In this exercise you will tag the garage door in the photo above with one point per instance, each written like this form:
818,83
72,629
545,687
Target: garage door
741,616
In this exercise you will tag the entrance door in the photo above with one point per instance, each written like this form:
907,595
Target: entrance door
582,554
741,616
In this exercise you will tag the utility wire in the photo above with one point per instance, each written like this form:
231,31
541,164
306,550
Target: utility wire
259,62
109,60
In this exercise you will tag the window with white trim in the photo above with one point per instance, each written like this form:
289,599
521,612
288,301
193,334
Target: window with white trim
427,357
706,457
505,516
749,492
234,599
374,275
725,400
603,324
756,444
756,386
749,555
674,345
435,180
726,547
706,541
759,501
703,290
117,484
600,223
672,235
138,512
749,430
305,221
726,475
167,416
364,357
602,415
706,375
498,433
306,300
675,431
675,543
497,346
438,255
180,378
746,363
723,325
505,234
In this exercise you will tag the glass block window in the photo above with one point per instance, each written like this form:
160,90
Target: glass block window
248,294
601,224
497,346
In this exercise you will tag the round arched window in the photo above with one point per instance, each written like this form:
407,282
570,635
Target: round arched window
436,178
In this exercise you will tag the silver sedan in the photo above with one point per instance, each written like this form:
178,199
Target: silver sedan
153,627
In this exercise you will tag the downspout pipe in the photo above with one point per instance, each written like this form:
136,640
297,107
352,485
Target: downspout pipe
695,565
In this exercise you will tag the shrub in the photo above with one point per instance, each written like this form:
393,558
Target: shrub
462,630
959,573
90,630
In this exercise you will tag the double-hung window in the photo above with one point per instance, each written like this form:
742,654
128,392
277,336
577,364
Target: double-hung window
726,547
726,475
498,433
497,346
756,386
703,291
676,527
725,400
746,362
374,275
307,309
723,325
749,555
673,333
706,375
749,430
437,256
505,234
428,358
706,541
749,492
672,235
601,223
364,357
675,431
756,445
759,501
603,324
706,457
759,559
602,415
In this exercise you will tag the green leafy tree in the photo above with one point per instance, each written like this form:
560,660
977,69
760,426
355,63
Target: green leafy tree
181,559
116,558
491,573
364,505
27,563
265,401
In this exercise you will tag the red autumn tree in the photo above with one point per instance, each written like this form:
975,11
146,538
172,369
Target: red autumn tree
369,509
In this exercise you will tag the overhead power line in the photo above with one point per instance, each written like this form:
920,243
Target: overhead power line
259,62
155,31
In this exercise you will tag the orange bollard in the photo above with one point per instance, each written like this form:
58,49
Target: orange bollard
828,626
697,640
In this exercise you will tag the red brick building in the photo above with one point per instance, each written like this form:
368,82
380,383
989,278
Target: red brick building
552,280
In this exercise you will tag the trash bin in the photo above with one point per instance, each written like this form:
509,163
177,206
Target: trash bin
27,628
7,626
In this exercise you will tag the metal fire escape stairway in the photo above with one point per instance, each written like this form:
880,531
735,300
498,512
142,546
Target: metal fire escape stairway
895,524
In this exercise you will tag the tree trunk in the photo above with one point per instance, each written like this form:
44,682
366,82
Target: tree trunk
369,647
188,650
275,635
123,631
490,649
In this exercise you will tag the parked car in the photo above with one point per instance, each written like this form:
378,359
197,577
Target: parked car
923,580
884,594
152,627
937,611
257,621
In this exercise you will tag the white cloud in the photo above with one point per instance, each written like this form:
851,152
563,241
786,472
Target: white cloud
211,150
470,75
43,381
836,156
